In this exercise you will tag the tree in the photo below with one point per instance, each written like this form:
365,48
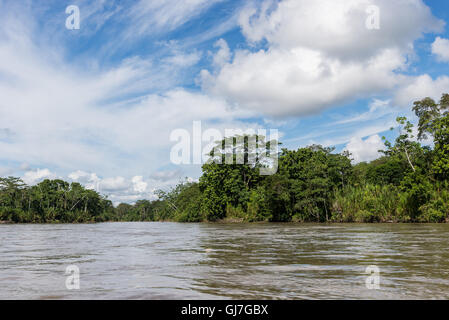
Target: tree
231,173
313,173
404,147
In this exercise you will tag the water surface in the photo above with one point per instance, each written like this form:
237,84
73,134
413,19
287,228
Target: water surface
224,261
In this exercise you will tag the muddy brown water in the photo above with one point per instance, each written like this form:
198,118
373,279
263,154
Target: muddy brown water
225,261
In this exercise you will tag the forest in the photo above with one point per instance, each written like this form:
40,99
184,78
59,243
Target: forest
408,183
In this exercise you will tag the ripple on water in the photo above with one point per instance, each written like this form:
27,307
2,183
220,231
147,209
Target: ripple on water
217,261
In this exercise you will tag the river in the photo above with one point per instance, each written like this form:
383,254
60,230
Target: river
225,261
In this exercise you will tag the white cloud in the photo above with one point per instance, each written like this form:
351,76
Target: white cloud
89,180
299,81
365,150
337,28
319,54
420,87
114,184
139,185
181,59
118,189
35,176
116,120
82,176
58,115
223,55
163,15
440,48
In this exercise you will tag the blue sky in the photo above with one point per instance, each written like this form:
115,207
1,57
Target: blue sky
97,105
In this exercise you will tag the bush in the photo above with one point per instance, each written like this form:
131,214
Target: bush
437,209
13,215
257,206
235,213
368,203
417,191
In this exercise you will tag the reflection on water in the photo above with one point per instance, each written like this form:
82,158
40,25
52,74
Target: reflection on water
224,261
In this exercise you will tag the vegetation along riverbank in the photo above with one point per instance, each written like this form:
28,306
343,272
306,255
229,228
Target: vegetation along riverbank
409,183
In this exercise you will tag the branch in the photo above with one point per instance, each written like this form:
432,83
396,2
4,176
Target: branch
408,158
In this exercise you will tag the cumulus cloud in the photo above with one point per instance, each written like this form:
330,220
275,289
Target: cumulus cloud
114,184
59,115
299,81
319,54
223,55
118,189
365,150
114,117
35,176
109,118
89,180
420,87
337,28
82,176
139,185
440,48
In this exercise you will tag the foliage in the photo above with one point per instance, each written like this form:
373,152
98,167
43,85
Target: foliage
370,203
50,201
409,183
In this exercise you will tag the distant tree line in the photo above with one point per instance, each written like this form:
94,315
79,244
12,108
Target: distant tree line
50,201
409,183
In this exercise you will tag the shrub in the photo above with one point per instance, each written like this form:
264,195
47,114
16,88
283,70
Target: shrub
368,203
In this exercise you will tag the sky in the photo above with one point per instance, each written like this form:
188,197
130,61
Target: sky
97,104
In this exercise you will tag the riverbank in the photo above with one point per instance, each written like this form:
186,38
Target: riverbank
409,183
227,221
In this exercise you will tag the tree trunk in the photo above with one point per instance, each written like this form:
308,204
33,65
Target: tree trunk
408,158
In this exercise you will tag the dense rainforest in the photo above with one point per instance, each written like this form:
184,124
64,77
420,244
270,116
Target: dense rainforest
409,183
